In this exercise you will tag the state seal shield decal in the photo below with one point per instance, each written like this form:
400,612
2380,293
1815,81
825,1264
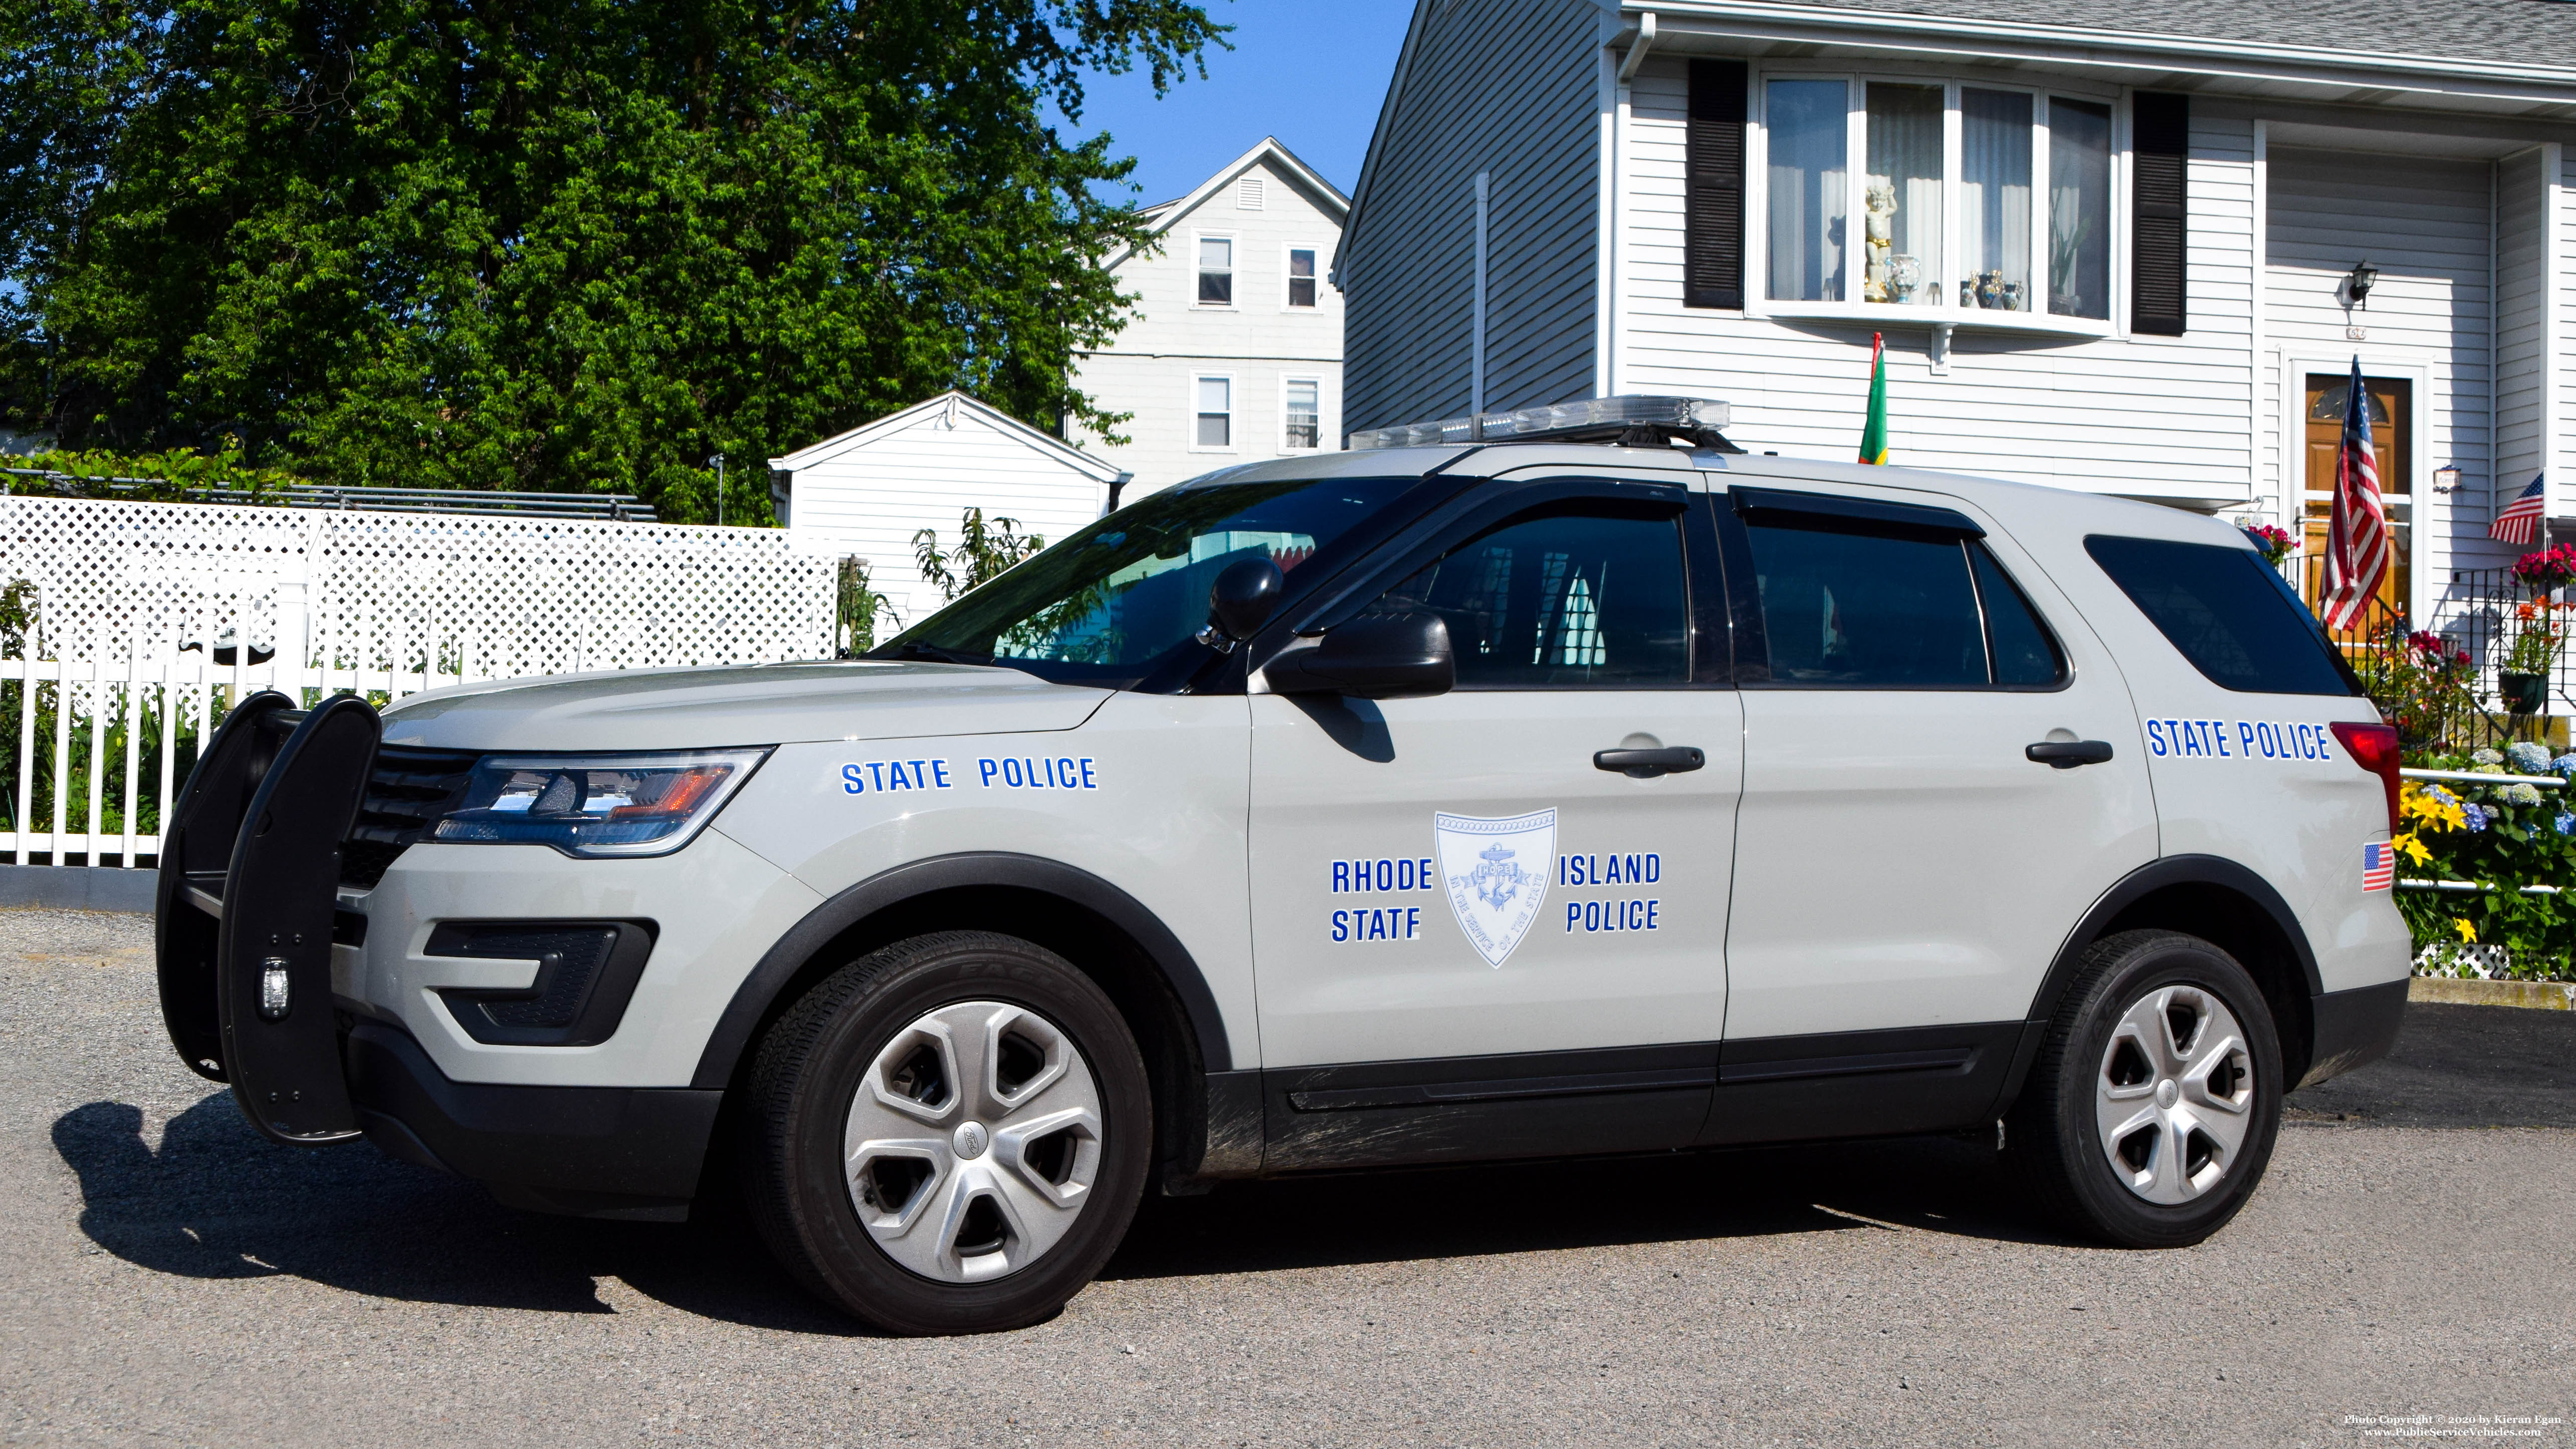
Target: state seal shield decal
1496,873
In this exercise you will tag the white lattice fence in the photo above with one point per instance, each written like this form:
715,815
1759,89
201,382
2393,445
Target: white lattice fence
141,609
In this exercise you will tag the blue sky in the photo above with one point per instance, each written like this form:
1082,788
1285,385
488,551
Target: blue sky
1310,72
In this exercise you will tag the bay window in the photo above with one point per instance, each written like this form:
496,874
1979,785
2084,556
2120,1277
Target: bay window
1962,200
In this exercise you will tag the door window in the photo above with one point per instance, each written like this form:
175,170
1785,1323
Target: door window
1858,609
1571,599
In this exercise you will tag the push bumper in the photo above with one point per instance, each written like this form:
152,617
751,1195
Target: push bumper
2353,1028
612,1152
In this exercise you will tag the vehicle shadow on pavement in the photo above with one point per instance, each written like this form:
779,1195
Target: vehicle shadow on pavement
1938,1184
217,1200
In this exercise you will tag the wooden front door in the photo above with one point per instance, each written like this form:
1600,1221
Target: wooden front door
2392,412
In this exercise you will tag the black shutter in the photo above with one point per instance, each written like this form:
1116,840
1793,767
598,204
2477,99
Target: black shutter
2161,128
1713,213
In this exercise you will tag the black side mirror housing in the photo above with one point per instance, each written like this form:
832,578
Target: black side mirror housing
1240,602
1375,656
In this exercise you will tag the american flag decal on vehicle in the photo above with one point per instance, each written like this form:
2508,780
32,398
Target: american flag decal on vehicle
2378,866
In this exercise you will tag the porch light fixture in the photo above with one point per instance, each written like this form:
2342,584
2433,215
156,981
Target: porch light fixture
2358,282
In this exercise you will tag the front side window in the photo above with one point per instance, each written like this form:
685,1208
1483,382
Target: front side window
1303,411
1110,602
1301,276
1809,137
1214,423
1856,609
1216,271
1572,599
2227,612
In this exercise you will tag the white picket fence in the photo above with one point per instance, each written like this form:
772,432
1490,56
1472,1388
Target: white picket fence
151,619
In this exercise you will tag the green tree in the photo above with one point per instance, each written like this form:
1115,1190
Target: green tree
552,244
984,552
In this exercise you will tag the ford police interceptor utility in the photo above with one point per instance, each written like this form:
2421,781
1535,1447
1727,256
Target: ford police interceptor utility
1530,785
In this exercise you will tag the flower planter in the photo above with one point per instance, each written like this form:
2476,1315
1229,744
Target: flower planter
2524,693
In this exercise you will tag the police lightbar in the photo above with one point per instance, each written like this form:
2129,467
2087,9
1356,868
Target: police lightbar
1647,418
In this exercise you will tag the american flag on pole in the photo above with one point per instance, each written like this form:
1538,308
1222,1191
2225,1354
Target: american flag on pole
2357,541
2378,866
2520,520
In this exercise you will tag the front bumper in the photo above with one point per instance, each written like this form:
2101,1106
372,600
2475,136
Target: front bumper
614,1152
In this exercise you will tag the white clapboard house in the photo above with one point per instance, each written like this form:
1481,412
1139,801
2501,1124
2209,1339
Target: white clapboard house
1233,350
870,491
2130,248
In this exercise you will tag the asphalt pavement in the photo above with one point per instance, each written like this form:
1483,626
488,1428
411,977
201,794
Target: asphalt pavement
167,1277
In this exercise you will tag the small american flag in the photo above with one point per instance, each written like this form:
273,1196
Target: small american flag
2520,520
2378,866
2357,535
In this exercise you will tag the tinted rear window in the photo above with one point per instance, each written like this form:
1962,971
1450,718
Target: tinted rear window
2228,613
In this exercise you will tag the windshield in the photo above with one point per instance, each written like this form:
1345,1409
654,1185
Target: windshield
1109,602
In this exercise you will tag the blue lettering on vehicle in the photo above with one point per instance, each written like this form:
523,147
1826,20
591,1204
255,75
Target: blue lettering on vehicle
1616,868
2238,739
869,777
1037,772
1380,923
1613,915
1382,875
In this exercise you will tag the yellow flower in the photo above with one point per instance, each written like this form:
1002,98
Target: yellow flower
2432,810
2413,848
2468,933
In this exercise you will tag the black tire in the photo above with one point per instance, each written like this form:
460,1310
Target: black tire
801,1092
2061,1137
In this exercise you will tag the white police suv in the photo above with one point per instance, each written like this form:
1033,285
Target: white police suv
1531,785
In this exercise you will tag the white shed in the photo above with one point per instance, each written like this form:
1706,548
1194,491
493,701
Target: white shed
870,490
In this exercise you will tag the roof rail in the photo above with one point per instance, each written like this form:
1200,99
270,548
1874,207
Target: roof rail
1631,420
614,507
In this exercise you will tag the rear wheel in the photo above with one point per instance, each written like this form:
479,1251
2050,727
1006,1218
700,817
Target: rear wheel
2151,1111
950,1136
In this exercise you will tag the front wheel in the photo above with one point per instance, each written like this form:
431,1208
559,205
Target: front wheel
2153,1105
949,1136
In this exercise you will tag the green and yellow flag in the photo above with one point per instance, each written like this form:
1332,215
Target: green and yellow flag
1873,434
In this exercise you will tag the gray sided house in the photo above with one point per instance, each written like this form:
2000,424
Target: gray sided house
2123,248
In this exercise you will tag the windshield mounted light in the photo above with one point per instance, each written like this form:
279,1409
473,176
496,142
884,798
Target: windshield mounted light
1590,415
595,806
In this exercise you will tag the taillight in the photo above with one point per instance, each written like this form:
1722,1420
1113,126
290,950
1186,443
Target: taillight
2374,748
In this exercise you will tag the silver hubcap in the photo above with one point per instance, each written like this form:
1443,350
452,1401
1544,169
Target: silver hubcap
2175,1094
973,1141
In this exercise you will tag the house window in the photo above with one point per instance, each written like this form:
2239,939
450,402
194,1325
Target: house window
1215,423
1809,132
1901,196
1216,271
2079,209
1960,196
1304,415
1301,276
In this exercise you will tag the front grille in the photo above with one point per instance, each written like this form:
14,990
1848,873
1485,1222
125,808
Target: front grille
408,790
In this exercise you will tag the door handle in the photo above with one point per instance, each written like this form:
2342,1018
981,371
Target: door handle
1647,764
2067,754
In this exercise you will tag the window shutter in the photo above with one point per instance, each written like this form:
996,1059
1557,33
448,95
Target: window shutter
2158,275
1713,224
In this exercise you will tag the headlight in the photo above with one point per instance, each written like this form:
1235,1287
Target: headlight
596,805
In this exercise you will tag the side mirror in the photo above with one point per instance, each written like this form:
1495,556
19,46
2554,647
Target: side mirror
1240,602
1375,656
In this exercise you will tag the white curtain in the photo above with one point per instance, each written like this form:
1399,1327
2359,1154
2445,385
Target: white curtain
1904,171
1994,198
2079,209
1805,124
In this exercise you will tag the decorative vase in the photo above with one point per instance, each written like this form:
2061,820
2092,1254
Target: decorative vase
2523,693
